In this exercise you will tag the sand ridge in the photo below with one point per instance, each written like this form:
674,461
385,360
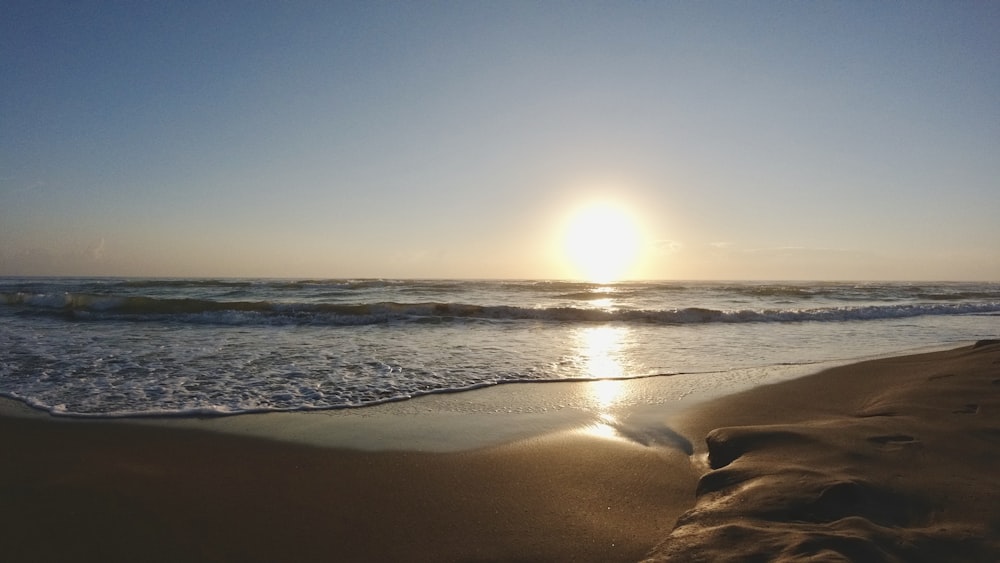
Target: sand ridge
900,466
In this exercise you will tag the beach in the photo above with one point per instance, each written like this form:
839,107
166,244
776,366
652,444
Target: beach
892,459
888,460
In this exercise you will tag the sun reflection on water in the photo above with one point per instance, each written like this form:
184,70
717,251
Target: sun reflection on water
607,299
601,350
602,303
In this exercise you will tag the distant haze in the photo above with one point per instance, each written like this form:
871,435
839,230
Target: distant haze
826,140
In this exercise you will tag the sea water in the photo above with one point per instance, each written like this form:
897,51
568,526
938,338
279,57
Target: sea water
126,347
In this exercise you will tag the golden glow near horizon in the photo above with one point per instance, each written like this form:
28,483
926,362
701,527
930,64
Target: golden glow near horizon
345,177
601,242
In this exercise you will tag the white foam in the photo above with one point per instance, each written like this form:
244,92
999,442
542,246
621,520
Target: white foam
288,349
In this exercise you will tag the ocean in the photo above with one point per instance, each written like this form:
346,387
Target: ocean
104,347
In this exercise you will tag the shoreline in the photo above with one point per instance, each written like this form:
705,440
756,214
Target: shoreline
605,482
474,418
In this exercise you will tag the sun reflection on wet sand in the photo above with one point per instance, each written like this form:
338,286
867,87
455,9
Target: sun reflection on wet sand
606,392
603,428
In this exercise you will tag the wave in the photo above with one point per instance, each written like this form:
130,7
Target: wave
182,283
590,296
958,295
83,306
795,291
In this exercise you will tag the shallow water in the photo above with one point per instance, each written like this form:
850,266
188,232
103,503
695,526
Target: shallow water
114,347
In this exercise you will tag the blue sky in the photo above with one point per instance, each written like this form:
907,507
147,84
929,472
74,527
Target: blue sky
779,140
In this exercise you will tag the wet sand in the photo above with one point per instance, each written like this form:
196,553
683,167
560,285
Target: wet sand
547,488
887,460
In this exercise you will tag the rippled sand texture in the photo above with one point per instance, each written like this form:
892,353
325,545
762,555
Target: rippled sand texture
892,460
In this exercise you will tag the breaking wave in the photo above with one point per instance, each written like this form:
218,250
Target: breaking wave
84,306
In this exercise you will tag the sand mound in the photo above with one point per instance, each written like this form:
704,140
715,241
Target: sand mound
907,473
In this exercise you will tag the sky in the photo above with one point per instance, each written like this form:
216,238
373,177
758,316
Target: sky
740,140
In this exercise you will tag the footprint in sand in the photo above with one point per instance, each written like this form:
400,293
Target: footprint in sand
893,440
970,408
940,376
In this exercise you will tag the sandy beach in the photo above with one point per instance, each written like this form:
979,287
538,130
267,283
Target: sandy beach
887,460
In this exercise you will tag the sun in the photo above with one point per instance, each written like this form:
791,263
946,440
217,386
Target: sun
601,242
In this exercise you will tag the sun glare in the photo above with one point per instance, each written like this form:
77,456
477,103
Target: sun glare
601,242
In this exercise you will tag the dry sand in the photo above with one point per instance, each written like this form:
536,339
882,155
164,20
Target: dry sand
889,460
894,459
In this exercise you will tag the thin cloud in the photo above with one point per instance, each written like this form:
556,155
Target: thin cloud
796,250
97,250
26,189
666,246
